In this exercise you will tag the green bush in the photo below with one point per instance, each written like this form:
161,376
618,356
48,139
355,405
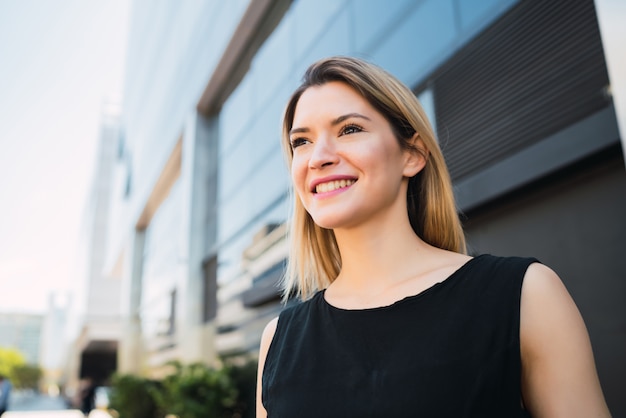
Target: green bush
134,397
10,359
198,391
244,378
190,391
26,376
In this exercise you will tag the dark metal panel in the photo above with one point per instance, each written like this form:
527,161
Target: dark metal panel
566,147
532,73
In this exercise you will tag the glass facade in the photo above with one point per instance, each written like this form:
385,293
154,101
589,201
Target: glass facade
162,269
173,49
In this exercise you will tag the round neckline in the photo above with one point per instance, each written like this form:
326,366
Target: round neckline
405,299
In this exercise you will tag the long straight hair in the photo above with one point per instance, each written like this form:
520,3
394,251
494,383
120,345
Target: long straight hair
314,260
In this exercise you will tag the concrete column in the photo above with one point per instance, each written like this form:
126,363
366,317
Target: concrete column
130,352
198,174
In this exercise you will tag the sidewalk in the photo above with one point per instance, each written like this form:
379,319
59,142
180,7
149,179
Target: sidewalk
29,404
33,401
69,413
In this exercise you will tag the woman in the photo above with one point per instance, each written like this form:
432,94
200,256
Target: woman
397,320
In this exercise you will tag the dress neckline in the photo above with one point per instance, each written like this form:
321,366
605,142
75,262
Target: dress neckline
450,279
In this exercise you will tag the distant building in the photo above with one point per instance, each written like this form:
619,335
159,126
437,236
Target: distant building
518,92
54,345
22,332
94,326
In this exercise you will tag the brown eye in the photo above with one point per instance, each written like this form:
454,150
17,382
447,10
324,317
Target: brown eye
350,129
296,142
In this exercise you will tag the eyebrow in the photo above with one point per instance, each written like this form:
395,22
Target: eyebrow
334,122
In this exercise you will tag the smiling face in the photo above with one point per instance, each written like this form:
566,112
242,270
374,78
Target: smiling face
347,166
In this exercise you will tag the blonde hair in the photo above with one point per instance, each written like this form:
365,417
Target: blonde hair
314,260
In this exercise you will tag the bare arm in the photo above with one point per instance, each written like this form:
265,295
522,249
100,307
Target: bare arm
559,377
266,340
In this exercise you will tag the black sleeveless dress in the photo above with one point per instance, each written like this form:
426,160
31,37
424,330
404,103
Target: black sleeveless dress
451,351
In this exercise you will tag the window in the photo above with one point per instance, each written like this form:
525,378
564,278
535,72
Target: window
209,299
427,100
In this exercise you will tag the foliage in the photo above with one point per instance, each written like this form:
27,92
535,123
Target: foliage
244,377
10,358
134,397
198,391
26,376
190,391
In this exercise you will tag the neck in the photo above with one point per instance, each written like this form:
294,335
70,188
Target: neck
377,254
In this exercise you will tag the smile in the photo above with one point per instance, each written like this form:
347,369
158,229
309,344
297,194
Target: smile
333,185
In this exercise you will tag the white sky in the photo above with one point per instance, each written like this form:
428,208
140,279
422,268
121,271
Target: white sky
59,60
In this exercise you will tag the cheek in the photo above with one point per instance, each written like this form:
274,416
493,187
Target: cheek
298,174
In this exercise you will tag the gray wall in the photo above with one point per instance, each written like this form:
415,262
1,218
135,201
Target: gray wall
573,222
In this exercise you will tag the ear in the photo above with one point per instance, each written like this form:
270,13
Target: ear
415,158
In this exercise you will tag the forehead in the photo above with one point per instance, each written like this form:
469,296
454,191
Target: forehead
331,99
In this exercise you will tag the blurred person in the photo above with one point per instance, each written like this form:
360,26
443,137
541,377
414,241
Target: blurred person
87,395
396,319
5,393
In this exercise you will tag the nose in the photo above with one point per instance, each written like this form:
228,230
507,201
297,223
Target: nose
324,153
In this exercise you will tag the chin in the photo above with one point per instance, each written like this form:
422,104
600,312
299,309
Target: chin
324,223
333,221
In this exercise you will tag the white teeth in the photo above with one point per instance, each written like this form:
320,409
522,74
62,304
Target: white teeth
333,185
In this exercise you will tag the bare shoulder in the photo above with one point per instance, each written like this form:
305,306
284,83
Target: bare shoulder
559,377
546,309
266,341
268,333
540,278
